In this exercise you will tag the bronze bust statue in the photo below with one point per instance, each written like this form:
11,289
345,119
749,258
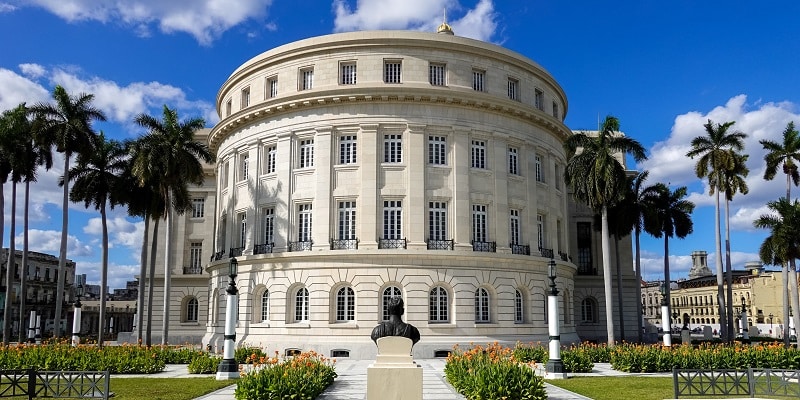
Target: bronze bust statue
395,325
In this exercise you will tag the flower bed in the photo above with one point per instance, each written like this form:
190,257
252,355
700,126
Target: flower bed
492,373
656,358
304,376
61,356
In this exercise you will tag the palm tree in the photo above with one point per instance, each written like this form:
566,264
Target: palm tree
597,178
673,217
67,126
98,182
168,158
716,150
783,245
786,155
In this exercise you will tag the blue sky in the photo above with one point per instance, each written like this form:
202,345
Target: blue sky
663,68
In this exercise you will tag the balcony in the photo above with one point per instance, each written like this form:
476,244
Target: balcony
564,256
392,243
218,256
235,251
193,270
523,249
344,244
264,248
446,244
546,253
485,247
300,245
586,270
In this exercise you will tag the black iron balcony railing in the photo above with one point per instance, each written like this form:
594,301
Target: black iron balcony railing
218,255
523,249
564,256
300,245
264,248
486,247
235,251
586,270
392,243
193,270
446,244
546,253
344,244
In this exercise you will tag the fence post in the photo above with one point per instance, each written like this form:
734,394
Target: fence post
675,380
751,382
31,383
107,385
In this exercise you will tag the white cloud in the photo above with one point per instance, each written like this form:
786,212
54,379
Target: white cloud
118,274
18,89
425,15
5,7
121,231
204,19
50,242
32,71
679,266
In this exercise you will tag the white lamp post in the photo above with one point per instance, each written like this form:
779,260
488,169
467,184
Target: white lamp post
665,325
76,318
745,330
32,327
554,369
228,369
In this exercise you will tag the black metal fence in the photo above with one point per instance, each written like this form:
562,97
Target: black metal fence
752,382
392,243
235,251
488,247
55,384
523,249
344,244
264,248
440,244
300,246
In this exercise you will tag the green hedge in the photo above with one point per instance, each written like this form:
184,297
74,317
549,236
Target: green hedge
656,358
493,373
301,377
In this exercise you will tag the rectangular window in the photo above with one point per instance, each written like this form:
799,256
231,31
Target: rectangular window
584,236
393,148
272,87
269,162
391,71
198,207
347,220
196,255
436,74
437,150
478,154
304,222
347,149
245,97
555,109
306,153
306,78
244,163
392,219
479,223
437,220
347,74
225,170
538,99
540,230
539,170
478,80
513,89
513,225
242,218
558,177
268,216
228,107
513,161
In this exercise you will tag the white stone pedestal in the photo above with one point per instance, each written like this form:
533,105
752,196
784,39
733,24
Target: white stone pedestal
686,336
394,375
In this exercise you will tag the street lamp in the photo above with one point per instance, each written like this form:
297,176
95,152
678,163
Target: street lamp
76,318
665,325
228,368
554,369
770,323
745,333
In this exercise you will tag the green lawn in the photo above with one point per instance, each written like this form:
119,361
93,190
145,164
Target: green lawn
162,388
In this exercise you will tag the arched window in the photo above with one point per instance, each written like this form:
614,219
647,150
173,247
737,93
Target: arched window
588,310
437,306
265,306
301,305
519,307
388,293
481,305
345,304
192,310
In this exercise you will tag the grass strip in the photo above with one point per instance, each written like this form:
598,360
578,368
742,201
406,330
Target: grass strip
161,388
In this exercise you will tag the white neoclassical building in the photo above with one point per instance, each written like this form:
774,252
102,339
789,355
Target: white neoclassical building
358,166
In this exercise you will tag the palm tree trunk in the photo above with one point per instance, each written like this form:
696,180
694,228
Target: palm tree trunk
788,187
607,276
667,287
10,264
103,276
793,295
167,280
785,278
723,320
728,272
8,256
151,282
619,291
62,255
639,313
142,276
24,284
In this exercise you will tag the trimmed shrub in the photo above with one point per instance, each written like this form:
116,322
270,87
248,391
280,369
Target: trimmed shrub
492,373
300,377
206,364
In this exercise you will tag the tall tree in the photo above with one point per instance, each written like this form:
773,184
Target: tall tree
673,217
169,159
98,182
597,177
716,150
783,246
66,125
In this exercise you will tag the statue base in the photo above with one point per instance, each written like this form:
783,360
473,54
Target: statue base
394,375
